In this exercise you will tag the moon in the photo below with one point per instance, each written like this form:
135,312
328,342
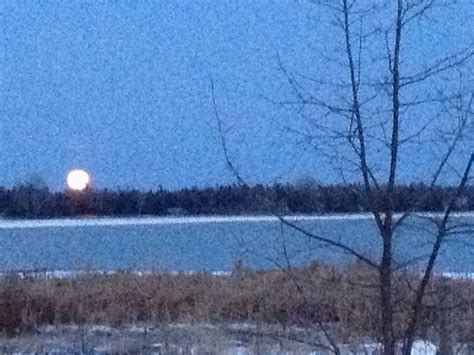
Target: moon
78,180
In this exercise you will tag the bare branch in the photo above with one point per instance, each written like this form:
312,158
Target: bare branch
357,114
303,97
438,67
222,138
395,103
419,9
457,138
341,246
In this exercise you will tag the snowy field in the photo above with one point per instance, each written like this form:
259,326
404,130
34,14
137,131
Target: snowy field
231,339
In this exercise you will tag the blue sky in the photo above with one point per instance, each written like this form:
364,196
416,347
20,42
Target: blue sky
121,88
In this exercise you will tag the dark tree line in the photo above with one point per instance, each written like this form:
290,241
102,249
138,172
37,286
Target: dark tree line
30,201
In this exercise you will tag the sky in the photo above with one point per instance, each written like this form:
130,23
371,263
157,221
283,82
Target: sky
121,88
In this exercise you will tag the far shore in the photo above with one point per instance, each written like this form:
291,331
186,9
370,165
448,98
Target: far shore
192,219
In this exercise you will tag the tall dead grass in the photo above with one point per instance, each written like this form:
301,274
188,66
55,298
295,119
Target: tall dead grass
343,298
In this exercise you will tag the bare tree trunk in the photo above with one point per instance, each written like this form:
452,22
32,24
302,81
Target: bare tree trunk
388,340
387,231
446,346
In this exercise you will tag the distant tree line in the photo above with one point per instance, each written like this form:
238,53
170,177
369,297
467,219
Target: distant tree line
32,201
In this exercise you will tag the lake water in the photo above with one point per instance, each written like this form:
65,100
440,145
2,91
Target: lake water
212,244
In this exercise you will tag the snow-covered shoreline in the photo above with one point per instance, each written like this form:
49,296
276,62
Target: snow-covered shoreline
137,221
64,274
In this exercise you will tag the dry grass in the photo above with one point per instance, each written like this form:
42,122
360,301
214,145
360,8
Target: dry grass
345,299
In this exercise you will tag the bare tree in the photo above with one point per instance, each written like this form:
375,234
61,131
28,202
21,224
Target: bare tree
374,114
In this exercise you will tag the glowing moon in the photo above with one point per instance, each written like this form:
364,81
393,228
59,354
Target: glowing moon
78,179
